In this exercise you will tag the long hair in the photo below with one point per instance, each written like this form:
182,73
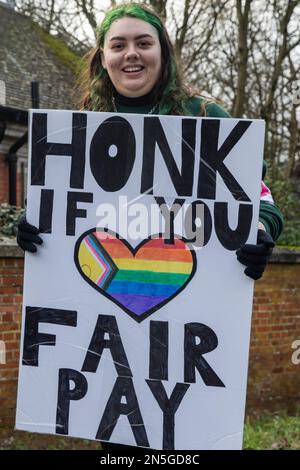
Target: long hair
96,86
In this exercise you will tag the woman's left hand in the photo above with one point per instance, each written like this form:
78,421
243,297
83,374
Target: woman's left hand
256,257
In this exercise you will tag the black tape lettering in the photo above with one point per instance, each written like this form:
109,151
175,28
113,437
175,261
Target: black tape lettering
46,210
212,159
66,394
33,339
106,324
169,406
159,350
115,408
192,232
169,216
193,354
41,148
72,212
112,173
232,239
154,134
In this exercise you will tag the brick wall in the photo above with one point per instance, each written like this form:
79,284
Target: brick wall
11,287
274,382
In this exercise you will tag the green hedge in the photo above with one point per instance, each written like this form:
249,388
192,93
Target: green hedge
9,217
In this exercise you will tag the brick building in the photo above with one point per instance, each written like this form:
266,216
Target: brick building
27,54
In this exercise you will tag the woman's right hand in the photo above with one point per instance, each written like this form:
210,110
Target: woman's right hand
27,236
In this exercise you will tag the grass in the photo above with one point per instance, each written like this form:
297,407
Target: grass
289,247
273,432
269,432
20,440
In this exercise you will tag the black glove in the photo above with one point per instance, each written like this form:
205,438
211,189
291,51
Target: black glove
255,257
27,235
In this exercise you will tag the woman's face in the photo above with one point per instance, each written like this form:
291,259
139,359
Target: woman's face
132,56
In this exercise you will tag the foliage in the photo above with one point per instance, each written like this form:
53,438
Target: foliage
285,193
9,217
20,440
271,432
291,234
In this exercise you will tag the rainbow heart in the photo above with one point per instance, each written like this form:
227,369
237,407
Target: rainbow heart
139,280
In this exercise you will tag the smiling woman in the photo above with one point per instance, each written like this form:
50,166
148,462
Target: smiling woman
134,64
132,56
133,69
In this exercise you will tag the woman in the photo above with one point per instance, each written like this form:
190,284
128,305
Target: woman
133,70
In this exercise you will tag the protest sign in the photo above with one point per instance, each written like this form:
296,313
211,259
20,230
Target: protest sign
137,314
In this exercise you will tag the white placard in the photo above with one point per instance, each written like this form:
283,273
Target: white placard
136,324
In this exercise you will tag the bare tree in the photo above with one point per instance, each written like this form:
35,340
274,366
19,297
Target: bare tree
242,56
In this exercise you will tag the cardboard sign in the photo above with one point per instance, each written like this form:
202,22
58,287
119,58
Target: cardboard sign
136,318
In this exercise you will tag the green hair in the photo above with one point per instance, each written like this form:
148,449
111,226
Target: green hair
169,91
132,10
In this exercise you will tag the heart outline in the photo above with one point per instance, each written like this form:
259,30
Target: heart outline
133,251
